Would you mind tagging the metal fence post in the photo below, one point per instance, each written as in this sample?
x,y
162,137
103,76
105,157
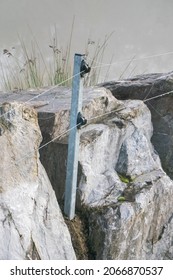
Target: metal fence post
x,y
73,141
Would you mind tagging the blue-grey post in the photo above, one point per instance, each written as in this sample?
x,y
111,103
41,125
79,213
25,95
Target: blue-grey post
x,y
73,140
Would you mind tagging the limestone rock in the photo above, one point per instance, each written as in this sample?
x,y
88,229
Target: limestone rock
x,y
122,190
97,105
136,230
31,223
144,87
53,107
108,149
118,161
99,183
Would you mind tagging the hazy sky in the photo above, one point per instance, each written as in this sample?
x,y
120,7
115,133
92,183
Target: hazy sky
x,y
141,28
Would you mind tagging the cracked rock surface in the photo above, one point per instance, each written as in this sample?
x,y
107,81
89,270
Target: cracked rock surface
x,y
123,189
158,87
31,223
123,194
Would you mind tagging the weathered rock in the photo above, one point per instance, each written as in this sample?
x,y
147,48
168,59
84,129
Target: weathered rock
x,y
141,87
31,223
139,225
122,189
134,229
100,184
107,149
117,160
148,86
97,104
53,107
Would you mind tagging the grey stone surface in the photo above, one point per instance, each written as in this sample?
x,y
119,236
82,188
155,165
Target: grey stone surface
x,y
147,86
98,105
122,191
139,225
53,107
31,223
139,229
107,149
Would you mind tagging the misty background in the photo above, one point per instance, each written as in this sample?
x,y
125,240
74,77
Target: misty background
x,y
141,30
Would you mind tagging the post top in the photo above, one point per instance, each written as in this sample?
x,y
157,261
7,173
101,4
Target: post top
x,y
78,54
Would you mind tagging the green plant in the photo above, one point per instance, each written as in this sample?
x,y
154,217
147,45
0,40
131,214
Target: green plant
x,y
23,70
121,199
61,66
26,67
124,179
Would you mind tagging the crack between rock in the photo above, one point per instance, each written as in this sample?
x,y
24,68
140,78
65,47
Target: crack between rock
x,y
8,218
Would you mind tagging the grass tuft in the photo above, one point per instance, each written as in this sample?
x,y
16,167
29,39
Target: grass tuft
x,y
26,67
